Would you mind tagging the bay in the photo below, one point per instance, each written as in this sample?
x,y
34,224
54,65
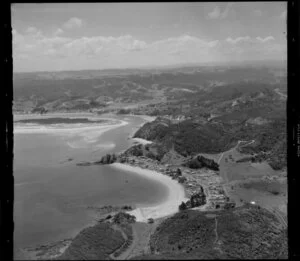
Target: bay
x,y
52,193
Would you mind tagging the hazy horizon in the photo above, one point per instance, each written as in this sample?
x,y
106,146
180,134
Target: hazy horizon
x,y
174,66
99,36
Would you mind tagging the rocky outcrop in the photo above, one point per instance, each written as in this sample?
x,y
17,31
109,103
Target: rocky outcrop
x,y
123,218
202,162
107,159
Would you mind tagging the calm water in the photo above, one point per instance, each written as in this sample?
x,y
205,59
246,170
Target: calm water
x,y
52,193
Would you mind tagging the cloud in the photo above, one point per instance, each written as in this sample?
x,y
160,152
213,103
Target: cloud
x,y
31,30
52,41
73,22
266,39
248,39
98,45
17,37
248,48
283,15
136,45
217,14
238,39
257,12
129,51
58,31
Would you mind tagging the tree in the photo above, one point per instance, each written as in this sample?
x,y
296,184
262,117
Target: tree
x,y
182,206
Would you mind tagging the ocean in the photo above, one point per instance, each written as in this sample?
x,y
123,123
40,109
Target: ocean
x,y
52,193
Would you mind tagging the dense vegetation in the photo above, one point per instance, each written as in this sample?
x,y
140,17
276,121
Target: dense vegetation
x,y
270,143
152,151
187,137
122,218
196,200
190,137
96,242
247,232
202,162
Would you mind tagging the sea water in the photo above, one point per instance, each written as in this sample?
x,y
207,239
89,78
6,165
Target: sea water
x,y
52,194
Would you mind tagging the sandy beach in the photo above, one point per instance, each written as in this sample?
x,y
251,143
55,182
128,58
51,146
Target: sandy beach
x,y
66,128
142,141
21,116
85,134
168,205
147,117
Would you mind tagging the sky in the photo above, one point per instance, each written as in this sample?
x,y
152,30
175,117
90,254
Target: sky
x,y
83,36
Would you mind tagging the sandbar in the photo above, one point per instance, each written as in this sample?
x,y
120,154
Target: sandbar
x,y
68,128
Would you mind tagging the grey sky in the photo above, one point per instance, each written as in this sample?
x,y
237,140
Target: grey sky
x,y
119,35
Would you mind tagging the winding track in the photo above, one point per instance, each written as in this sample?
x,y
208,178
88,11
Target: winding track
x,y
219,160
125,242
250,142
216,230
281,218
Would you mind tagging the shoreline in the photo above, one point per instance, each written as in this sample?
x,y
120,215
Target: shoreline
x,y
66,128
168,206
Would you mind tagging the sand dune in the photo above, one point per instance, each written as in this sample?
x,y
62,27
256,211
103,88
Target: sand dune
x,y
168,205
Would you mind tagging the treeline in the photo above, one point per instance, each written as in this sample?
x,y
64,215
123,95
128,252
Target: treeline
x,y
202,162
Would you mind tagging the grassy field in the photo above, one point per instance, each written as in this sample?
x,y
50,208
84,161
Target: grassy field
x,y
269,194
232,170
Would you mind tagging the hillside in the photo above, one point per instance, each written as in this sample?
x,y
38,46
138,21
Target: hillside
x,y
189,138
96,242
246,232
199,109
97,90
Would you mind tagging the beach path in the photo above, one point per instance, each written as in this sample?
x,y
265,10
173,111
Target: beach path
x,y
141,238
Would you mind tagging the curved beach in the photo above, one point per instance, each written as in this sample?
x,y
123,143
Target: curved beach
x,y
168,206
66,128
